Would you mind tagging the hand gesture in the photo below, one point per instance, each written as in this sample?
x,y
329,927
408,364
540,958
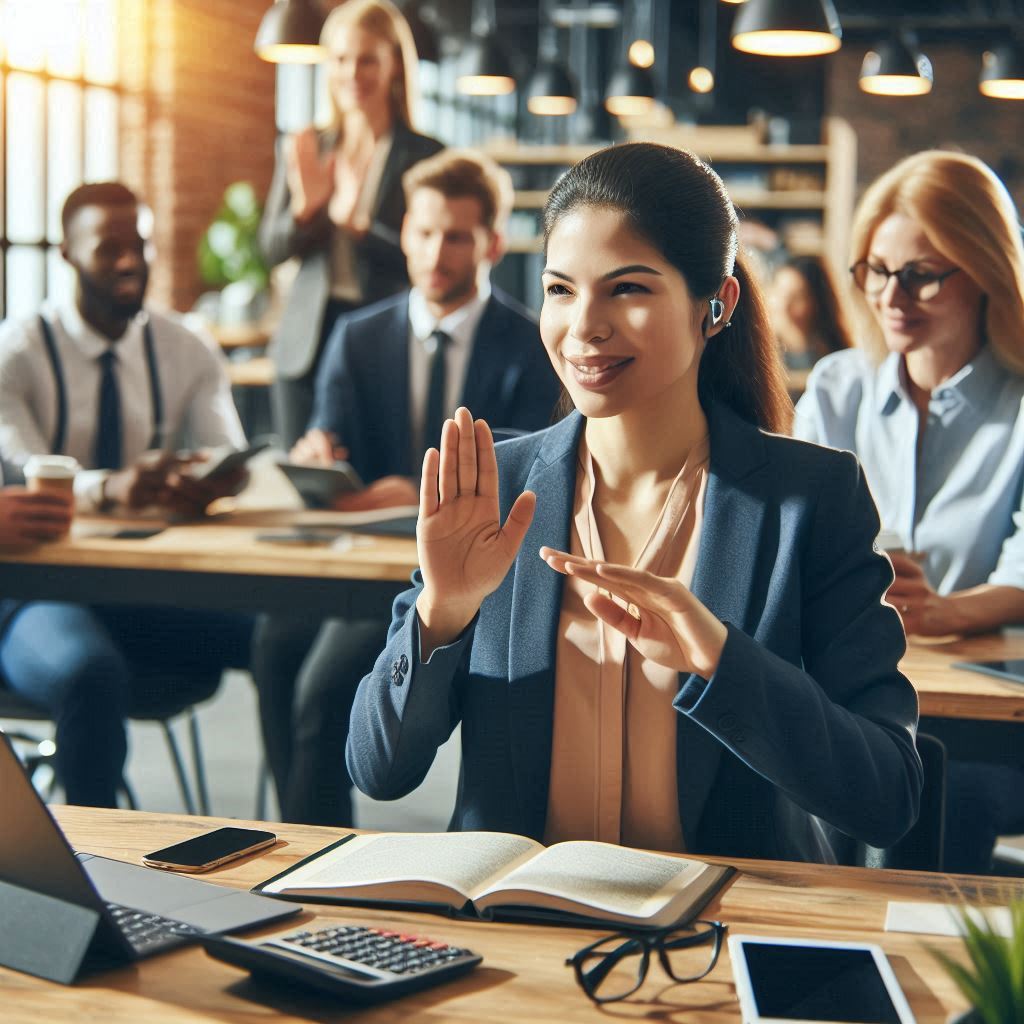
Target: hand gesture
x,y
924,612
143,483
318,448
310,176
387,492
464,551
27,517
662,619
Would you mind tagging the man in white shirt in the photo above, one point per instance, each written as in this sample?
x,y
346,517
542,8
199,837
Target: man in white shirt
x,y
120,389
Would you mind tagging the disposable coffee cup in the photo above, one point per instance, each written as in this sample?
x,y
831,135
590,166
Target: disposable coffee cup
x,y
55,473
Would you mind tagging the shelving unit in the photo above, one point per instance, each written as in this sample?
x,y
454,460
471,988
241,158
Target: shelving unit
x,y
804,192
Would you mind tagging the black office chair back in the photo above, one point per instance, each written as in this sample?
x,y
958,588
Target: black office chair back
x,y
921,848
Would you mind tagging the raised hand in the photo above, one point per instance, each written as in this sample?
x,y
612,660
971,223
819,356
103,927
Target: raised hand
x,y
310,176
464,550
318,448
662,620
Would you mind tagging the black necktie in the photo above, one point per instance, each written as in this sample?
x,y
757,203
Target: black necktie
x,y
107,454
435,416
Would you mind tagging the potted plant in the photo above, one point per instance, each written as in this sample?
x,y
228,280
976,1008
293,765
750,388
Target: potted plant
x,y
230,259
993,981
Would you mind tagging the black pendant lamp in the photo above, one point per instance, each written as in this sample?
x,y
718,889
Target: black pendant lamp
x,y
290,33
896,68
485,68
787,28
631,91
1002,72
551,90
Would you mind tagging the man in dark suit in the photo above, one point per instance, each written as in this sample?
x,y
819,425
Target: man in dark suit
x,y
390,376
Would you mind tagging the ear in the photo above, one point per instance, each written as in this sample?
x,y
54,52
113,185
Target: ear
x,y
729,295
495,248
403,237
65,255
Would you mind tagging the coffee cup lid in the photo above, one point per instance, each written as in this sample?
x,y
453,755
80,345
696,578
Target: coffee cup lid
x,y
53,466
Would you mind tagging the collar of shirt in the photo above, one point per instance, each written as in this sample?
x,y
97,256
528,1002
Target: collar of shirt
x,y
87,338
460,325
971,385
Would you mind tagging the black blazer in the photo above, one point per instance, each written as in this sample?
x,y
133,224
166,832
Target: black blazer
x,y
362,388
800,745
379,260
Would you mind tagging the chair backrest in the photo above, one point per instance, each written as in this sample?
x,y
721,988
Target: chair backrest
x,y
921,848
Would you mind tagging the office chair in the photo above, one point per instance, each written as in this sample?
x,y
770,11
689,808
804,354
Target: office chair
x,y
921,848
156,698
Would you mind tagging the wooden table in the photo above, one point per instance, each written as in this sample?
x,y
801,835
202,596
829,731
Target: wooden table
x,y
218,562
523,977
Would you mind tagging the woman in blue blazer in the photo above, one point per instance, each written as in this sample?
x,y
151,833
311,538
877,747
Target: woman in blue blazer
x,y
792,728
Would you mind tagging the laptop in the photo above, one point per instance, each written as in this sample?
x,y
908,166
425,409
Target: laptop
x,y
131,911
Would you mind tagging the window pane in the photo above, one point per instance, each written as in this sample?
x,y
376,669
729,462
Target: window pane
x,y
60,278
64,149
294,97
100,135
24,31
62,35
101,41
25,199
24,281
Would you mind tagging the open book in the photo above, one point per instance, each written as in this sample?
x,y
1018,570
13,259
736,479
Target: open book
x,y
494,874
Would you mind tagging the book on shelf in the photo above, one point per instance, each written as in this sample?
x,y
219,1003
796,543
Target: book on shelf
x,y
501,876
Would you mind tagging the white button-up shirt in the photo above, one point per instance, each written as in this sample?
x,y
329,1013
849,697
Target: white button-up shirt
x,y
198,409
958,501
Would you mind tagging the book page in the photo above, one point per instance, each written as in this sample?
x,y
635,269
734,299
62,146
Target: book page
x,y
463,862
943,918
615,880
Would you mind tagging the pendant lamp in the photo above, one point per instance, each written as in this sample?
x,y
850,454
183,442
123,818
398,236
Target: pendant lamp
x,y
485,67
290,33
631,91
551,90
896,68
1002,72
787,28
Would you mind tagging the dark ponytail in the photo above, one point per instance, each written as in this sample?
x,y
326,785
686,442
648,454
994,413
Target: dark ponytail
x,y
677,203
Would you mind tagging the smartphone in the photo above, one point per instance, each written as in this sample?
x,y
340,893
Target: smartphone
x,y
225,461
210,850
785,981
319,486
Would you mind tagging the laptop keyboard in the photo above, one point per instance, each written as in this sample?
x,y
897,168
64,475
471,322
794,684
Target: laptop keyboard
x,y
149,932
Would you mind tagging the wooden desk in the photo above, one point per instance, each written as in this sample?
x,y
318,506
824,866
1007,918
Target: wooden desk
x,y
523,977
214,563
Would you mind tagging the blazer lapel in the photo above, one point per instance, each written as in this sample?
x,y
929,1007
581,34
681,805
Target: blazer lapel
x,y
536,602
394,166
725,580
488,362
393,356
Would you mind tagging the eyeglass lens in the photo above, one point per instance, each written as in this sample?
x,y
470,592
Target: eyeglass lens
x,y
616,967
918,284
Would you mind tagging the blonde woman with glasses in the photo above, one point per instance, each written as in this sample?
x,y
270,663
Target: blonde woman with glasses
x,y
931,404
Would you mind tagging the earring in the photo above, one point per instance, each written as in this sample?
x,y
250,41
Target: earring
x,y
717,309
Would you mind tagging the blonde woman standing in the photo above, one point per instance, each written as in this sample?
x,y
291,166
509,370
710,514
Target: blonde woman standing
x,y
336,201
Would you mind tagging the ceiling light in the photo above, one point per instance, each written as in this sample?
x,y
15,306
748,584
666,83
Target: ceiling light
x,y
701,79
630,92
1002,72
896,68
551,91
641,53
290,33
787,28
485,68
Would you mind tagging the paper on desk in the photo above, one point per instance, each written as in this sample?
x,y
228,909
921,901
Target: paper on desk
x,y
941,918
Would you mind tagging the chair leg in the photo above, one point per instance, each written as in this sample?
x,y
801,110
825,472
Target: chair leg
x,y
262,784
129,795
179,768
198,766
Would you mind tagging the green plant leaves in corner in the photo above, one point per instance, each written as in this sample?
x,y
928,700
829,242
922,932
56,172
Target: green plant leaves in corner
x,y
994,981
229,249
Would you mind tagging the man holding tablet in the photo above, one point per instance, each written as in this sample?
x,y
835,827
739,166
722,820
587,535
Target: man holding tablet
x,y
390,376
120,389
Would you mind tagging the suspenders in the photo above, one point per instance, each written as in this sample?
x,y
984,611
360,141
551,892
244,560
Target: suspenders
x,y
59,441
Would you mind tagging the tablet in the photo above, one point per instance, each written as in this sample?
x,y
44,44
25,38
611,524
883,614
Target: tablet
x,y
319,486
224,461
782,981
1012,669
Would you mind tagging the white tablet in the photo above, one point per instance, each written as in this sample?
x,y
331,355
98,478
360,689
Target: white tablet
x,y
783,981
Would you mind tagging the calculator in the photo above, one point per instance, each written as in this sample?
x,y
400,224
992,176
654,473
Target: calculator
x,y
359,965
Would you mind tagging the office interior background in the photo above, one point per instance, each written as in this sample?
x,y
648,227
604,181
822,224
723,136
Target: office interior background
x,y
171,97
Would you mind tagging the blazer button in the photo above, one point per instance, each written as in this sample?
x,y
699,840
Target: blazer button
x,y
727,721
403,664
739,737
396,677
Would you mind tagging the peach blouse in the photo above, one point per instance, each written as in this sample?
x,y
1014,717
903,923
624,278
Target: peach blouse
x,y
613,759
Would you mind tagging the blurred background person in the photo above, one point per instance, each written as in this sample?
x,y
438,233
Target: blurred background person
x,y
336,200
806,313
931,404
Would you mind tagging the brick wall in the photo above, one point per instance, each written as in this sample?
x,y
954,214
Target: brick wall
x,y
199,115
954,115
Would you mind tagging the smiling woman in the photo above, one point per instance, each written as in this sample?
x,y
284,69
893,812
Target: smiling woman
x,y
658,623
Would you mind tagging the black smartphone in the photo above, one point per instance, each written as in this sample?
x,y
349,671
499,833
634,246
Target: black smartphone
x,y
224,462
210,850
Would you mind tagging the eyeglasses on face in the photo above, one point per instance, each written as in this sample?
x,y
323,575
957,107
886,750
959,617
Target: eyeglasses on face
x,y
615,967
920,285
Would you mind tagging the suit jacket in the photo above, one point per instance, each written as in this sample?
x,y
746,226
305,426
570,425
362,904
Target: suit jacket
x,y
802,742
379,259
362,392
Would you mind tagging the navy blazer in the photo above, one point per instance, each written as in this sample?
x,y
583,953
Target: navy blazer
x,y
800,745
362,388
